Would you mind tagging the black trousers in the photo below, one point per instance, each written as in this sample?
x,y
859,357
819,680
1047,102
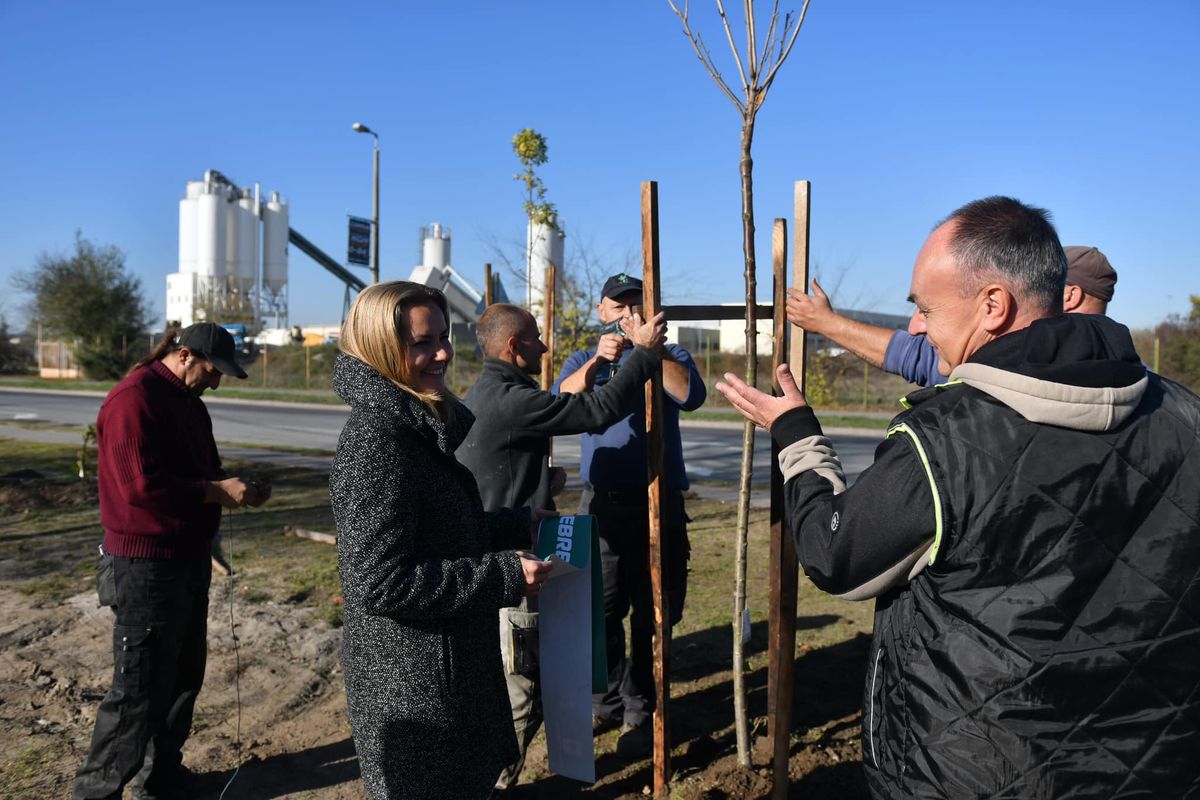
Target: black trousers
x,y
160,646
625,561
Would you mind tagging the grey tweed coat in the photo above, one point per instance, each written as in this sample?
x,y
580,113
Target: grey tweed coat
x,y
422,585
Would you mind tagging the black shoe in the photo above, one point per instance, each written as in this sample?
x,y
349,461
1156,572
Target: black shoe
x,y
636,741
177,784
602,724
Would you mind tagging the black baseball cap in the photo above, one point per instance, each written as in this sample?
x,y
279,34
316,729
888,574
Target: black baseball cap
x,y
212,342
621,284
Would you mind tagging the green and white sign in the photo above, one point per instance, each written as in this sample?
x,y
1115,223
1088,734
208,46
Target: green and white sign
x,y
571,641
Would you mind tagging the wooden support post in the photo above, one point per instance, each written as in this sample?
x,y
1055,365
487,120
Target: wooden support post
x,y
488,297
782,568
651,303
798,354
549,298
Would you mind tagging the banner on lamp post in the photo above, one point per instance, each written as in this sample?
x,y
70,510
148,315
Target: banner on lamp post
x,y
359,249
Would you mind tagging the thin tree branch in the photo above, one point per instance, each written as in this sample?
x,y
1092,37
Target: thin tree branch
x,y
706,57
769,42
737,58
751,41
785,51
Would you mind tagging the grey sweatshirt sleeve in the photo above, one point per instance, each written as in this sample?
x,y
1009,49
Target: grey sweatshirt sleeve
x,y
566,414
381,558
855,543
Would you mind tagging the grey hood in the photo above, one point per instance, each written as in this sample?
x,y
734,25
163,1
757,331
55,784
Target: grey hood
x,y
1077,371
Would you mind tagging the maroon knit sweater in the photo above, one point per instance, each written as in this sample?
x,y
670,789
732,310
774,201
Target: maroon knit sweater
x,y
155,452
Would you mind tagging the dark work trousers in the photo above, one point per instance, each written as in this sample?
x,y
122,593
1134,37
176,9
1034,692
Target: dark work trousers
x,y
159,651
625,558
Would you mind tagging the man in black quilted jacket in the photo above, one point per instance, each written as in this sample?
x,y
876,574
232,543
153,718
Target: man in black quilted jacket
x,y
1030,533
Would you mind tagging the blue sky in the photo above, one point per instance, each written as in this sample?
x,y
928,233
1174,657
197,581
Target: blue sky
x,y
897,113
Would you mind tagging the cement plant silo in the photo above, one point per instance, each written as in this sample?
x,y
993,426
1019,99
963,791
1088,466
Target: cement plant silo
x,y
210,236
435,246
545,247
242,244
275,242
189,217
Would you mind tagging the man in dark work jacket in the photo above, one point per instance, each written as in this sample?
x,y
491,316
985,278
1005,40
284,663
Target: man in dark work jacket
x,y
1030,531
507,451
161,492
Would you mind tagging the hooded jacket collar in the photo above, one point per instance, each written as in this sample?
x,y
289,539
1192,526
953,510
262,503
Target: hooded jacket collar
x,y
1077,371
364,389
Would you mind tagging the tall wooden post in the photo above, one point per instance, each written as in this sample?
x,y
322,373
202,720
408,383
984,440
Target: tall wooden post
x,y
549,299
651,303
798,355
783,570
488,297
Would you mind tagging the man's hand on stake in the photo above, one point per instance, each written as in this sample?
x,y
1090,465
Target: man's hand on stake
x,y
651,333
810,311
759,407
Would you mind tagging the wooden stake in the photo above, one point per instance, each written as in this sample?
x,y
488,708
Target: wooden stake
x,y
316,536
651,302
488,298
549,299
783,567
798,354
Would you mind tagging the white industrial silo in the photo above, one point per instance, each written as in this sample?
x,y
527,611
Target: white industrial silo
x,y
275,242
435,246
243,245
189,216
210,236
546,246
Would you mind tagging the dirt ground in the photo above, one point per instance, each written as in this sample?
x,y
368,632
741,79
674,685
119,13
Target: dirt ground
x,y
55,664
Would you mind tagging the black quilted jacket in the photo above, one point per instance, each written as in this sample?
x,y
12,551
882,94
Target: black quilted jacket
x,y
422,586
1047,642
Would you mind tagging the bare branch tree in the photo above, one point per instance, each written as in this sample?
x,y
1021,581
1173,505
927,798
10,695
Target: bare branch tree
x,y
757,73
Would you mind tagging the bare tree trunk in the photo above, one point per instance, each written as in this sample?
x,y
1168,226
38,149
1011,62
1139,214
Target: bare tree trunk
x,y
741,723
757,72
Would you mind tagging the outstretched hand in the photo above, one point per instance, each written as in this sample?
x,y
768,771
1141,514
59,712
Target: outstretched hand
x,y
813,312
759,407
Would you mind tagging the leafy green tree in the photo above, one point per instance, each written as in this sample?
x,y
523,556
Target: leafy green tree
x,y
530,147
89,298
1179,340
13,358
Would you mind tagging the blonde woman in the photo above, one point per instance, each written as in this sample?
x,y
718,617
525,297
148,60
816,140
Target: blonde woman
x,y
424,570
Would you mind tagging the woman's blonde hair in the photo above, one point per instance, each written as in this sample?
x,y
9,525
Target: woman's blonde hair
x,y
374,333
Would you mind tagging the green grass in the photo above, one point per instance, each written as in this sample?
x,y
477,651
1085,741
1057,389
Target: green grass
x,y
52,587
55,461
23,773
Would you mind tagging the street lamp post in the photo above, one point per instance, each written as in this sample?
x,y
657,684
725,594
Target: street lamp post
x,y
359,127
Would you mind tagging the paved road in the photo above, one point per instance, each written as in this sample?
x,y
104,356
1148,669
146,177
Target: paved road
x,y
712,451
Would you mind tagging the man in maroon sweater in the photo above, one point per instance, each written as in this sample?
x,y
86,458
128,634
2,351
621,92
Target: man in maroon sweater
x,y
161,492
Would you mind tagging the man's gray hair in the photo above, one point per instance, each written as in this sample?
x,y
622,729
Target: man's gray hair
x,y
1000,238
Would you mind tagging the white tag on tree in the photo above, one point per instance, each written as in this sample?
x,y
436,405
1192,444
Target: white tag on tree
x,y
745,625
